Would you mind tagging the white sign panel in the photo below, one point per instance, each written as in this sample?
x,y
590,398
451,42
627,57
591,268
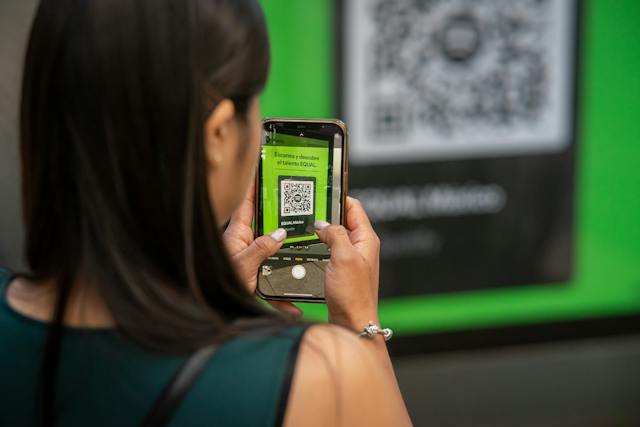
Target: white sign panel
x,y
455,79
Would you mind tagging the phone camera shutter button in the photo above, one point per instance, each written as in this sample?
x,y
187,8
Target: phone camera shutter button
x,y
298,272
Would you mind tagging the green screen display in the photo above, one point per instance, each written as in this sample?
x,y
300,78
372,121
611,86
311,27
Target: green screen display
x,y
607,202
295,185
296,189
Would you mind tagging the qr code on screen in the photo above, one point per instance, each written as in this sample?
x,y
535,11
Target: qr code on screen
x,y
296,197
458,78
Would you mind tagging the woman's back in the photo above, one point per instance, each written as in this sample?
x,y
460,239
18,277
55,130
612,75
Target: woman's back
x,y
104,380
139,132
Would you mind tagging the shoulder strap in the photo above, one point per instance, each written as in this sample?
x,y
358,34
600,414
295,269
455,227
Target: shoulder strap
x,y
170,399
288,376
5,277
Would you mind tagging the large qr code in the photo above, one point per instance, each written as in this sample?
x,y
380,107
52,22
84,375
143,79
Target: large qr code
x,y
432,79
296,197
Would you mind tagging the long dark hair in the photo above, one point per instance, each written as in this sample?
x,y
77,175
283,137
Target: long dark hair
x,y
114,99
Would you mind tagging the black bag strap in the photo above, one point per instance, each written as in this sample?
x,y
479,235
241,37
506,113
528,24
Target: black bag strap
x,y
180,384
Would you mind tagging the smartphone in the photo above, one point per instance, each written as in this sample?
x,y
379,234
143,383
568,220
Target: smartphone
x,y
302,178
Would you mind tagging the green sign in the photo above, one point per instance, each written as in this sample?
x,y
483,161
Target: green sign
x,y
295,187
606,278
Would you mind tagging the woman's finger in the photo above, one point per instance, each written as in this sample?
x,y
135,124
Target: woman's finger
x,y
286,307
263,247
362,235
335,236
244,214
357,220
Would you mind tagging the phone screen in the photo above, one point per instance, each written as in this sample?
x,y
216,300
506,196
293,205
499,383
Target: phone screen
x,y
299,182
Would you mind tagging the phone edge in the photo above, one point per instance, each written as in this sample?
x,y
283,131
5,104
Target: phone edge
x,y
343,195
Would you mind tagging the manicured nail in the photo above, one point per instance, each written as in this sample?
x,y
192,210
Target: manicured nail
x,y
279,235
319,225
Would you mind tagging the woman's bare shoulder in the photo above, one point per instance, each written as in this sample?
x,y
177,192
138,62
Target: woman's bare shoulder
x,y
336,381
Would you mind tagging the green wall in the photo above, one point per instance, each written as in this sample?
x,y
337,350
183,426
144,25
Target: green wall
x,y
607,278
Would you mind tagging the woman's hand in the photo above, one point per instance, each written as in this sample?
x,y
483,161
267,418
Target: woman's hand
x,y
351,281
248,253
362,367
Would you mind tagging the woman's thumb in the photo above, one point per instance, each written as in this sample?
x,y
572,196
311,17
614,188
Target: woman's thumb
x,y
335,236
265,246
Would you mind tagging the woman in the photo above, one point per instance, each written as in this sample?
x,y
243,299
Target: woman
x,y
140,130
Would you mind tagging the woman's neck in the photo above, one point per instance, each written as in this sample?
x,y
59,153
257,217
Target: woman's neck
x,y
85,306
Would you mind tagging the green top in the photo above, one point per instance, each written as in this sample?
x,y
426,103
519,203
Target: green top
x,y
104,380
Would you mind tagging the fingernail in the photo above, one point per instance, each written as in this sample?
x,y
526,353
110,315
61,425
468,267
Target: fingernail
x,y
319,225
279,235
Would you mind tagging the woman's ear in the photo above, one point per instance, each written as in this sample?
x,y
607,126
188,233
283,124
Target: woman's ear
x,y
221,134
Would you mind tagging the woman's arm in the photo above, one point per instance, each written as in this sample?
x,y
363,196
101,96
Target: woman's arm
x,y
343,380
340,375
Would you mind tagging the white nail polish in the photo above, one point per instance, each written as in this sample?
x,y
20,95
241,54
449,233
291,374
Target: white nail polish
x,y
319,225
279,235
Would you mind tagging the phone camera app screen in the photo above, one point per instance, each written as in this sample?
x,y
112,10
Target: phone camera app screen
x,y
298,186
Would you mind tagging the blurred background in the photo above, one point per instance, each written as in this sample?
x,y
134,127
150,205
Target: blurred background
x,y
495,144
